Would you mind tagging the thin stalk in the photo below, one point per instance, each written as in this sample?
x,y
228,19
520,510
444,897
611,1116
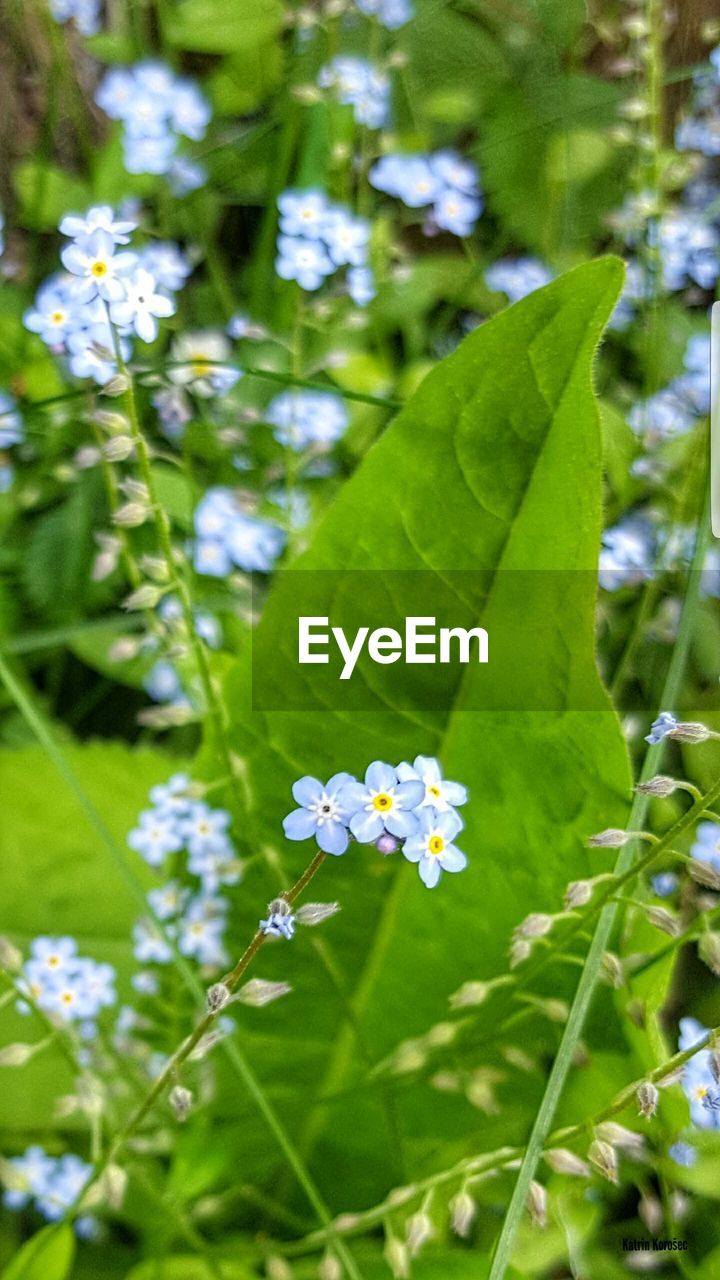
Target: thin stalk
x,y
623,871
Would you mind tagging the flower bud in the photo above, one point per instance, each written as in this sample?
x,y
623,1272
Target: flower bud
x,y
181,1101
519,951
535,925
397,1257
313,913
619,1136
131,515
647,1099
651,1214
124,649
463,1210
563,1161
16,1055
117,386
709,951
702,873
218,996
154,567
470,995
87,457
660,786
612,971
387,844
276,1268
603,1157
10,958
537,1204
118,448
662,919
419,1231
613,838
577,894
114,1184
257,992
330,1268
146,597
690,732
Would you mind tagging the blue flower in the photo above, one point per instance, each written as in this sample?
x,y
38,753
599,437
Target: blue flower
x,y
11,426
683,1154
322,813
664,884
432,847
360,85
439,793
156,836
302,418
661,727
698,1081
706,847
361,285
384,803
626,555
390,13
278,925
303,260
518,277
303,213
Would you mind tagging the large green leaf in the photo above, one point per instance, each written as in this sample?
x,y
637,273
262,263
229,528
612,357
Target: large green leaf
x,y
57,879
46,1256
493,466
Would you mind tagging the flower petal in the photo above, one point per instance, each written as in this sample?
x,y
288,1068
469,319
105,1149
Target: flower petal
x,y
380,777
410,794
400,822
332,838
337,781
300,824
449,824
307,790
414,849
454,793
452,859
352,797
429,869
427,768
366,827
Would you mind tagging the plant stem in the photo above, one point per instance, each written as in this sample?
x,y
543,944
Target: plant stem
x,y
624,871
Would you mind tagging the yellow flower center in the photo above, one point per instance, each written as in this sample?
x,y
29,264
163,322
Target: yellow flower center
x,y
99,269
67,997
435,791
57,317
701,1092
436,845
199,367
382,802
53,962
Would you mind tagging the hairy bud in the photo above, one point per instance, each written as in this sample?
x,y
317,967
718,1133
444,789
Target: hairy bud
x,y
257,992
470,995
118,448
181,1101
114,1185
647,1099
131,515
313,913
664,920
16,1055
604,1159
577,894
612,838
612,971
709,951
419,1231
537,1204
10,958
519,951
651,1214
702,873
563,1161
146,597
619,1136
330,1268
397,1257
117,386
660,786
218,996
387,844
535,925
690,732
463,1210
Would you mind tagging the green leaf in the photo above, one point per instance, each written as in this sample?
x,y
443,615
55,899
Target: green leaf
x,y
46,193
493,466
56,879
188,1267
223,26
46,1256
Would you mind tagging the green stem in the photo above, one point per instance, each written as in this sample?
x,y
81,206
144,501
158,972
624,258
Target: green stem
x,y
623,871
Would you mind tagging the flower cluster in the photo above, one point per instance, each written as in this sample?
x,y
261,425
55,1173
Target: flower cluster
x,y
157,109
108,292
517,277
389,13
443,182
225,536
65,985
84,13
194,913
700,129
410,806
360,85
317,237
51,1184
699,1079
304,418
11,433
